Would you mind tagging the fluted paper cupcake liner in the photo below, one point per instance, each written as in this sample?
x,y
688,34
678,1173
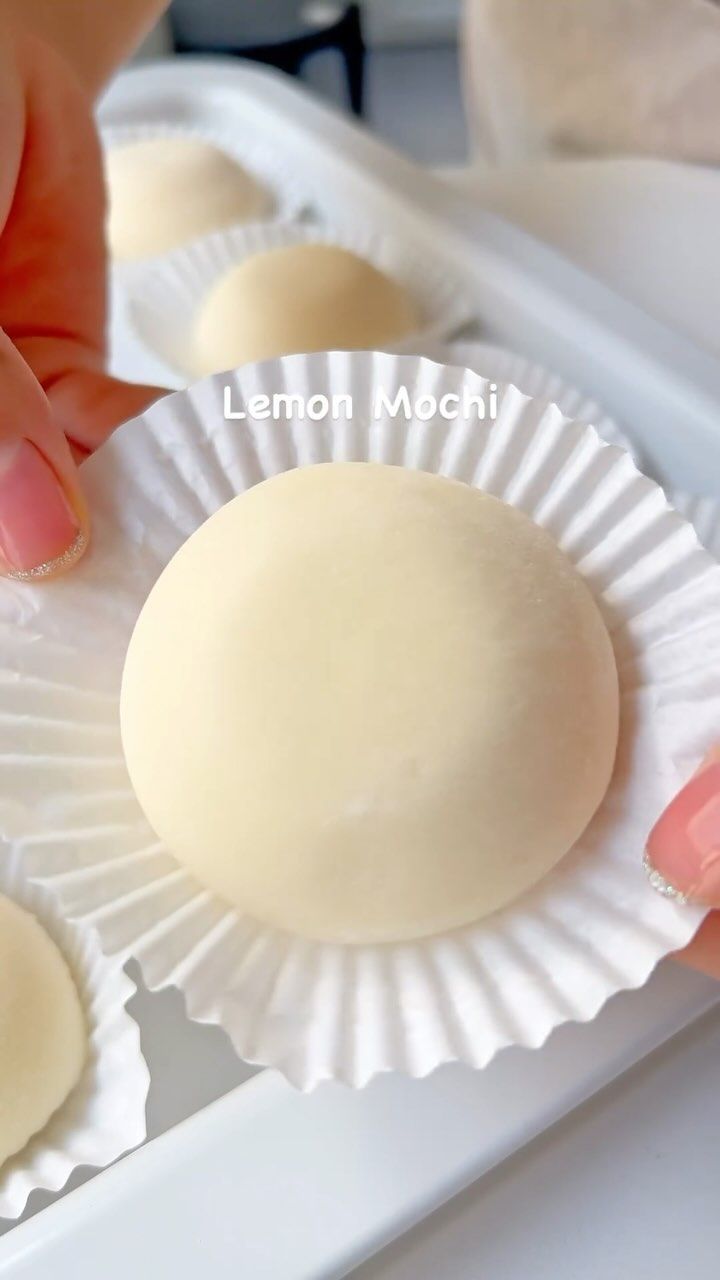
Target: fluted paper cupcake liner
x,y
104,1116
164,301
704,515
499,364
316,1011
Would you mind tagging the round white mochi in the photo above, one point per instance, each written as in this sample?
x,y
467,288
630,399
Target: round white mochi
x,y
43,1039
364,703
164,192
302,297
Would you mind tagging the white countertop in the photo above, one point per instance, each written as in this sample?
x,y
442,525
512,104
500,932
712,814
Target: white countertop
x,y
625,1186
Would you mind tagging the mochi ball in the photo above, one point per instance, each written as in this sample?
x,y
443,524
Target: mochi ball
x,y
43,1037
299,298
166,191
365,704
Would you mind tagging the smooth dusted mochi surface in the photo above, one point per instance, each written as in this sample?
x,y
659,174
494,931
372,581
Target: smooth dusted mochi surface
x,y
43,1038
165,192
367,704
299,298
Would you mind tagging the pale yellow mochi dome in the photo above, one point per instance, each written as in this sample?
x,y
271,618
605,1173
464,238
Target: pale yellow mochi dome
x,y
302,297
164,192
364,703
43,1039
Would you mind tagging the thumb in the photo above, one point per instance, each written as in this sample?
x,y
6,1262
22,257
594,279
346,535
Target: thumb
x,y
43,519
683,850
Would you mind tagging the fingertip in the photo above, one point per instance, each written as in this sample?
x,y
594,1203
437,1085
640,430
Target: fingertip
x,y
682,855
43,518
88,405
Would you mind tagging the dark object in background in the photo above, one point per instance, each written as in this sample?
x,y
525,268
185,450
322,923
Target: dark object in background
x,y
279,35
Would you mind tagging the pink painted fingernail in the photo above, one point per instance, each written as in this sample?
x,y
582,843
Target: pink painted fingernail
x,y
39,531
682,856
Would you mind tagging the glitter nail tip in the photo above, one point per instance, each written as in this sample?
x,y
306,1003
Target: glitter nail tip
x,y
660,884
56,565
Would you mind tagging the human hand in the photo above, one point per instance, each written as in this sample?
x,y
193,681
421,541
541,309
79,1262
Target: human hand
x,y
683,858
57,404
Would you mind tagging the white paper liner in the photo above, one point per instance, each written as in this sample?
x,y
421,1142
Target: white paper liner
x,y
104,1116
163,302
264,158
315,1011
704,515
499,364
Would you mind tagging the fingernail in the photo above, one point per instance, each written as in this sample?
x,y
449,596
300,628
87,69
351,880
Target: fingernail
x,y
682,857
39,531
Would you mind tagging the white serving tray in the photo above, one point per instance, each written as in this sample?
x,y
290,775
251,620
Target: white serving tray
x,y
266,1182
529,297
271,1184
